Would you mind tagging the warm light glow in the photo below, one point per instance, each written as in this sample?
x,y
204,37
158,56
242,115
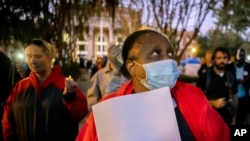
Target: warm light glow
x,y
65,37
193,50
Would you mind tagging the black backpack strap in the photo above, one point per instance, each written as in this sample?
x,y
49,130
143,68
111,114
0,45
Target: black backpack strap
x,y
230,79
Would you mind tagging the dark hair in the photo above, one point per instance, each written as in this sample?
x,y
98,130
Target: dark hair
x,y
128,44
220,49
241,50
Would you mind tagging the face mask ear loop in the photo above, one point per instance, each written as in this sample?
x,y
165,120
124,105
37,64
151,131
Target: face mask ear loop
x,y
137,63
141,66
138,77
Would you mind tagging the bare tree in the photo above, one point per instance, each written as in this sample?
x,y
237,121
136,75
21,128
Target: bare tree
x,y
50,20
177,19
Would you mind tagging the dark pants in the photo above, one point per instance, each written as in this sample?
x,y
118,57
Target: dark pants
x,y
226,113
243,110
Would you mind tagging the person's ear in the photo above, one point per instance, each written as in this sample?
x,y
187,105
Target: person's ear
x,y
130,65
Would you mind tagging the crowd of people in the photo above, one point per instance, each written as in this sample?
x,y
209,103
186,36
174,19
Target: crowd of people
x,y
226,84
43,104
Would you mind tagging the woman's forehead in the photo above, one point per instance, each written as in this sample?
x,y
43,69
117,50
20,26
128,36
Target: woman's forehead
x,y
153,36
33,47
150,40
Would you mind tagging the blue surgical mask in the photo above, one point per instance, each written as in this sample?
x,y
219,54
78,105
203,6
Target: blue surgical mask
x,y
160,74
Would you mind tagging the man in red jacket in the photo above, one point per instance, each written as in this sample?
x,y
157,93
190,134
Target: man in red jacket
x,y
148,62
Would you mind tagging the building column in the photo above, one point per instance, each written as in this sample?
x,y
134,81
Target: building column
x,y
91,43
111,34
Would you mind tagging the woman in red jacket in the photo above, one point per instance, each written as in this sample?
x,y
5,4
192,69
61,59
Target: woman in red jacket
x,y
146,53
45,105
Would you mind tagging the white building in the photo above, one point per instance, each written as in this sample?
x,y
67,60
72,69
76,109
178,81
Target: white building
x,y
102,32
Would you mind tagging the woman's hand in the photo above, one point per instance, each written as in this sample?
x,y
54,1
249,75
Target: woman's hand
x,y
70,85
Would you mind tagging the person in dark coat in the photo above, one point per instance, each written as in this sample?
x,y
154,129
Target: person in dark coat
x,y
241,69
10,73
5,81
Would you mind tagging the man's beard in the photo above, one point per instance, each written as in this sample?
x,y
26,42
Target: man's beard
x,y
221,66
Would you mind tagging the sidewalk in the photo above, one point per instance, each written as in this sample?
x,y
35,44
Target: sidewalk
x,y
83,85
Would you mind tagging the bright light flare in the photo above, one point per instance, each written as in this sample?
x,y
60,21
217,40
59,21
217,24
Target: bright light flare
x,y
20,56
193,50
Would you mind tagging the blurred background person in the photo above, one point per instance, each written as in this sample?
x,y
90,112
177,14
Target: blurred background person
x,y
10,73
107,79
5,81
206,62
20,64
241,69
45,105
232,59
115,58
89,67
100,63
218,83
98,84
83,68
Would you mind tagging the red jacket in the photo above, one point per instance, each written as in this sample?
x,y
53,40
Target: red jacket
x,y
203,121
39,111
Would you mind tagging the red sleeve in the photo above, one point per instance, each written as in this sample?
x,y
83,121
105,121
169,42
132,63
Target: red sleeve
x,y
215,127
88,130
205,123
77,107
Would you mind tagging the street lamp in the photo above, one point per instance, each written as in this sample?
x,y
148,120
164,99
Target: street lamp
x,y
193,50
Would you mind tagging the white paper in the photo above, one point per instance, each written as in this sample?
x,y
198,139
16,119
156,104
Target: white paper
x,y
147,116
